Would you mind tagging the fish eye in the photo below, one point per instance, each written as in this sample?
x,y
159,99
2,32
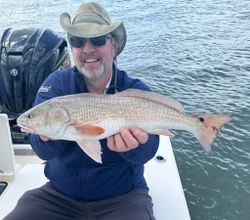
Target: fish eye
x,y
29,116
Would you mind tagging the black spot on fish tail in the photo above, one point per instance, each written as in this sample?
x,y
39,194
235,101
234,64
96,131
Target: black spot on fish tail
x,y
202,120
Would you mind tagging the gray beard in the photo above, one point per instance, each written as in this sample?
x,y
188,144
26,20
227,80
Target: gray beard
x,y
96,73
92,74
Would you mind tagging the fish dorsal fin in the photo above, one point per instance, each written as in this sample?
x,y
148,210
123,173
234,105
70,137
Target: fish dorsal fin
x,y
152,96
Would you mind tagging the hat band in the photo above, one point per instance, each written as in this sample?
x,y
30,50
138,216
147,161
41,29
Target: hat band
x,y
90,18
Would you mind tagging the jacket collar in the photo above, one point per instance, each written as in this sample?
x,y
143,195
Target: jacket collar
x,y
113,86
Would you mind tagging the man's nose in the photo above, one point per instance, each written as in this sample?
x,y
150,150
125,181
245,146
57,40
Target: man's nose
x,y
88,46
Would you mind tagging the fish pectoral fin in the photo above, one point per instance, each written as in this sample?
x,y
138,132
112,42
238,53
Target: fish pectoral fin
x,y
164,132
93,149
89,129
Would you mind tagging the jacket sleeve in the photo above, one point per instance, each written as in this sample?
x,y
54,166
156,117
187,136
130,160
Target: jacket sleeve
x,y
146,151
47,149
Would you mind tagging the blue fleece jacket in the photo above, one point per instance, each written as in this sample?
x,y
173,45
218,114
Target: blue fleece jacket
x,y
69,169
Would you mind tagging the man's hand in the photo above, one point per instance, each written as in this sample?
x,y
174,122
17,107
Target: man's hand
x,y
127,139
44,138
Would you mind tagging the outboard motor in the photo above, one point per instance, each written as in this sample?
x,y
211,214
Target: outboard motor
x,y
28,56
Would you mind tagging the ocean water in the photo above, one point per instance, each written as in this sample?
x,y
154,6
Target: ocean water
x,y
197,51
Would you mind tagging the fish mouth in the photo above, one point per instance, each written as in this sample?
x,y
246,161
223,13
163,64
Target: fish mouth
x,y
26,128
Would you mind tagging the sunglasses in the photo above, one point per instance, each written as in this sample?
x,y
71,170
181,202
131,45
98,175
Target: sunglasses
x,y
79,42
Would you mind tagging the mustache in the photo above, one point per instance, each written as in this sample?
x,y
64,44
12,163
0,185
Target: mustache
x,y
90,56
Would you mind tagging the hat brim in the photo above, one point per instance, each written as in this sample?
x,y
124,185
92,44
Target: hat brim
x,y
89,30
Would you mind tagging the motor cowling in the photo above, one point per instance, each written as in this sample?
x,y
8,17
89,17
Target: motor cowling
x,y
28,56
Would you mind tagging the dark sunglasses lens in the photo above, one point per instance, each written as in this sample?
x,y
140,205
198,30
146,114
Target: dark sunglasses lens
x,y
98,41
77,42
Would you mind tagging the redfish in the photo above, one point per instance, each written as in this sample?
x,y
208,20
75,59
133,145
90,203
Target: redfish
x,y
86,118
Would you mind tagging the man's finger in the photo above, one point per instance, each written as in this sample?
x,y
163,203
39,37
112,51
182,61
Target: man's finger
x,y
129,139
44,138
120,144
111,143
140,135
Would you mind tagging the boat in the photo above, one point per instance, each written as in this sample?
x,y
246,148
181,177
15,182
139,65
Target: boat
x,y
25,172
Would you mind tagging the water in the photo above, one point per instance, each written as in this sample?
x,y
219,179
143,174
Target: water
x,y
199,53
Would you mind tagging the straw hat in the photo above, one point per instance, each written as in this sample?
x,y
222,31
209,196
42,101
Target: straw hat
x,y
92,20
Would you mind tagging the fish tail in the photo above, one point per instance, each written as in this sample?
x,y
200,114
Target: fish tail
x,y
208,130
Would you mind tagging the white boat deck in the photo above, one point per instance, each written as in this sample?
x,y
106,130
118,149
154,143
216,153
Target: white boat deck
x,y
26,172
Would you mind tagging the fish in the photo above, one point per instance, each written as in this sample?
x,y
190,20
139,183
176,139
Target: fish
x,y
87,118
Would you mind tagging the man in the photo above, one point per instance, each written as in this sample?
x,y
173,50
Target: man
x,y
78,187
